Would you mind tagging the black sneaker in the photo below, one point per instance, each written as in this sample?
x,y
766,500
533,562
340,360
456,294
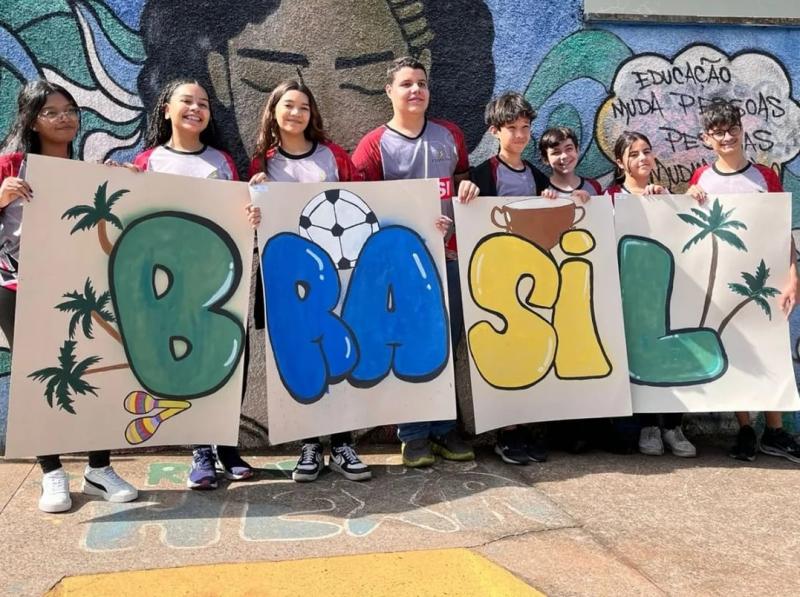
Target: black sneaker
x,y
745,446
536,448
230,463
510,446
309,464
777,442
344,460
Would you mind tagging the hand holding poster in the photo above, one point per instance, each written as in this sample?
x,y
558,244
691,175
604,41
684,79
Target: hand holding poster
x,y
356,311
132,310
542,310
699,290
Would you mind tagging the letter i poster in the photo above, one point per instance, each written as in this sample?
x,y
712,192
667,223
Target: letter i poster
x,y
355,293
542,310
131,311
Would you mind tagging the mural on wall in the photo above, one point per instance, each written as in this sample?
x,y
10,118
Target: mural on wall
x,y
115,57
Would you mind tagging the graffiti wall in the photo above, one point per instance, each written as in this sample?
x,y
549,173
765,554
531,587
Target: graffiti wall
x,y
598,78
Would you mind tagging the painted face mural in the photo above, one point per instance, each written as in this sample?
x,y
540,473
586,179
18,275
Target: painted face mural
x,y
342,54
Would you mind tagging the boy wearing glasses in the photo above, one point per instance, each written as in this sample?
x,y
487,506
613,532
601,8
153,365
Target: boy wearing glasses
x,y
732,172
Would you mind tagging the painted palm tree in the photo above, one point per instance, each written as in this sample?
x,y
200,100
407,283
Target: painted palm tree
x,y
67,378
87,308
717,224
754,291
97,214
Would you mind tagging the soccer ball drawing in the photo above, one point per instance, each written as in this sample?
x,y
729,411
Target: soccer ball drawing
x,y
339,222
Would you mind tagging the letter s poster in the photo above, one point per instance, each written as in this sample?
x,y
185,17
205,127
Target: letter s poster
x,y
542,310
355,292
132,310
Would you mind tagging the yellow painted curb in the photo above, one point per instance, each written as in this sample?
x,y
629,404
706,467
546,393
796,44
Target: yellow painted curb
x,y
442,572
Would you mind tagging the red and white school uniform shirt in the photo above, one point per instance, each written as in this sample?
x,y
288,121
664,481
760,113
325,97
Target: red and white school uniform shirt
x,y
753,178
439,151
206,163
590,185
10,223
324,162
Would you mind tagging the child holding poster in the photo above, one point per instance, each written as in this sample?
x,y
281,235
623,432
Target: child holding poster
x,y
558,147
412,146
633,154
47,123
182,139
292,147
509,119
732,172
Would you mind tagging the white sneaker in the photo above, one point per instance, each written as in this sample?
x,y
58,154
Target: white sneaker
x,y
650,441
678,444
55,492
106,483
344,460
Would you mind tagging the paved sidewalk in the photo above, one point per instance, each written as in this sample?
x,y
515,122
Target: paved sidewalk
x,y
595,524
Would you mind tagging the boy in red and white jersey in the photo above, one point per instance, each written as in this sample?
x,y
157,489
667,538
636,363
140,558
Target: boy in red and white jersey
x,y
413,146
732,172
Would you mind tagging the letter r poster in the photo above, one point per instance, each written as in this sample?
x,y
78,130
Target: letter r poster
x,y
355,292
132,310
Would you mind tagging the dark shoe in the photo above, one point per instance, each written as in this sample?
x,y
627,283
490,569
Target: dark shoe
x,y
418,452
451,447
344,460
510,446
202,475
309,464
230,463
777,442
746,444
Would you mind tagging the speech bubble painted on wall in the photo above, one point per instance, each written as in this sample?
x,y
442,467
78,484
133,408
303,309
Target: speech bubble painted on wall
x,y
663,98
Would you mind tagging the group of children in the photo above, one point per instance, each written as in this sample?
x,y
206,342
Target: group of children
x,y
292,146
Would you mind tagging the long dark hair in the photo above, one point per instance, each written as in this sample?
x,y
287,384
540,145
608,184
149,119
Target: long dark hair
x,y
159,129
624,141
269,135
32,98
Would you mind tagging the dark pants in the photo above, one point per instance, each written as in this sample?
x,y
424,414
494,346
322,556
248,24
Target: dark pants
x,y
668,420
337,439
407,432
8,307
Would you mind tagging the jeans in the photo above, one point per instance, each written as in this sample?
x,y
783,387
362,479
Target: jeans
x,y
407,432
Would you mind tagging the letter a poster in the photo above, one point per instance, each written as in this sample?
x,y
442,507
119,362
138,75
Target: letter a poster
x,y
355,292
700,288
132,310
542,310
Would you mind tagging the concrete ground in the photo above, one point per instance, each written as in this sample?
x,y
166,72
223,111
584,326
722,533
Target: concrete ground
x,y
595,524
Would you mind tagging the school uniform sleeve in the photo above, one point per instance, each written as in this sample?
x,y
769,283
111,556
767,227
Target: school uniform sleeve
x,y
697,174
344,165
484,176
233,172
254,168
367,156
462,166
773,182
142,161
598,190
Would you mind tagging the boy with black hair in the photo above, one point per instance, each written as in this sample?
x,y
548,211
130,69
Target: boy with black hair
x,y
558,147
413,146
506,174
732,172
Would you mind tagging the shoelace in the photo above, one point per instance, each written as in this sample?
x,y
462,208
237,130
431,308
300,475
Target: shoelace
x,y
349,454
111,476
58,484
307,454
203,458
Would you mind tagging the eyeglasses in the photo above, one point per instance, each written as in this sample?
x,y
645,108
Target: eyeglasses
x,y
719,135
53,115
